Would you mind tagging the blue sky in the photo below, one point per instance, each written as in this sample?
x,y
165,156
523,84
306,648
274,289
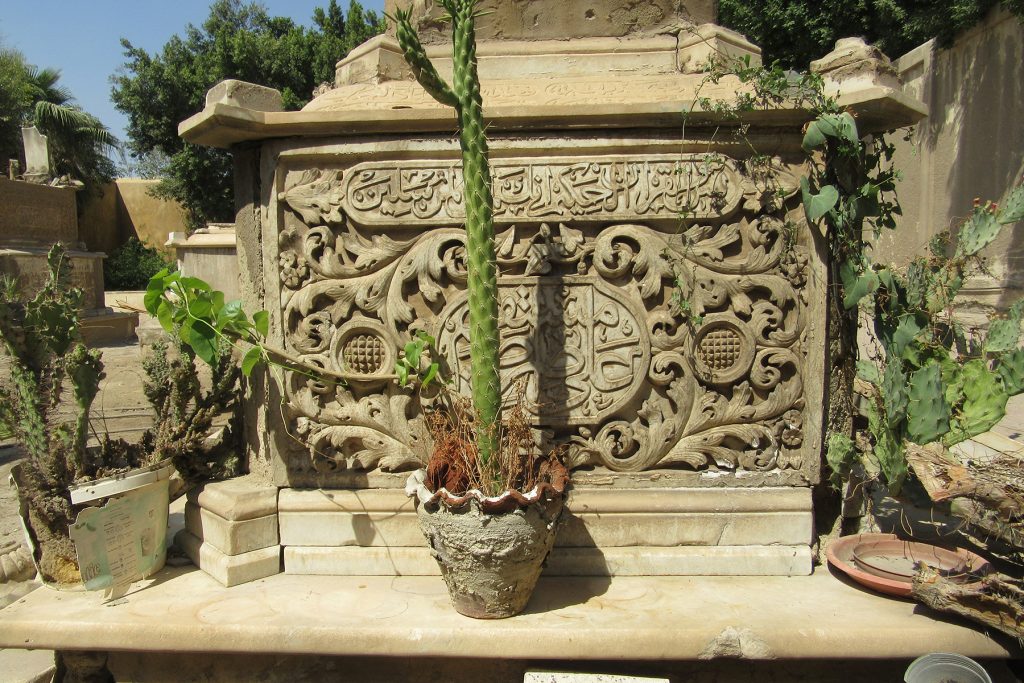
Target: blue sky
x,y
82,38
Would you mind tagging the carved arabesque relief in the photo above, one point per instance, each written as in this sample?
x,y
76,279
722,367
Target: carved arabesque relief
x,y
637,346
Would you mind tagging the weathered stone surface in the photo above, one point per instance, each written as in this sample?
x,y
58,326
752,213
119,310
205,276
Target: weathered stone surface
x,y
590,265
636,618
236,499
210,254
230,570
603,530
245,95
563,20
853,63
231,538
710,43
631,561
37,155
346,528
28,266
37,215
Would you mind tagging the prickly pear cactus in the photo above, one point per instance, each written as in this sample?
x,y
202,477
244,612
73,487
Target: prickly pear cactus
x,y
464,96
927,410
978,232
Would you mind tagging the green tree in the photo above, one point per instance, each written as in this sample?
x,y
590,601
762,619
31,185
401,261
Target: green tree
x,y
237,40
79,143
794,32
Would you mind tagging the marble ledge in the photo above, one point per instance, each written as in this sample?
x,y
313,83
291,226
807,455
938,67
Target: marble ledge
x,y
224,125
658,618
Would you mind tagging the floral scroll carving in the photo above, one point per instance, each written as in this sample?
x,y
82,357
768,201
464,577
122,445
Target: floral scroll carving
x,y
638,346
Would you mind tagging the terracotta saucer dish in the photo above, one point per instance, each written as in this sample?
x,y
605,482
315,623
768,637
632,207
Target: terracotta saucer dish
x,y
885,562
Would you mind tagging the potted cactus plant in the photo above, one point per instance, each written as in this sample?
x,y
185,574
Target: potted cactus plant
x,y
62,480
488,508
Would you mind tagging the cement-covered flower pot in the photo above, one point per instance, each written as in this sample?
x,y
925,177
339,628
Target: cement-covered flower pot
x,y
491,550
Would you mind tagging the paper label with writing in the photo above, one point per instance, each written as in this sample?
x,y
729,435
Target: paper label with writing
x,y
122,541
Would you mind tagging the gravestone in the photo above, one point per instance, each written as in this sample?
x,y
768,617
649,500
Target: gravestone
x,y
37,155
32,218
662,297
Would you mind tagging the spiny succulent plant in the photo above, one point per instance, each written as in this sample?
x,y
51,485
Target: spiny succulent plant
x,y
464,96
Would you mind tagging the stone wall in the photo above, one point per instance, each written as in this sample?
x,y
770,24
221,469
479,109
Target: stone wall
x,y
36,214
971,145
127,209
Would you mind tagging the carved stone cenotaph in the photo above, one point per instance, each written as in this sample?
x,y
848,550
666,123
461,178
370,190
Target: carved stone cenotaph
x,y
662,297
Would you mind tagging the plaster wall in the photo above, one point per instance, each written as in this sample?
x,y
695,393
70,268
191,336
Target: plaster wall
x,y
971,145
127,209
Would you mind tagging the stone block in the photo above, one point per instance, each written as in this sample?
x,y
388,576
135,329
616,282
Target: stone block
x,y
107,326
605,518
231,538
230,570
633,561
236,499
37,214
375,61
28,266
779,560
698,47
359,561
245,95
615,530
350,528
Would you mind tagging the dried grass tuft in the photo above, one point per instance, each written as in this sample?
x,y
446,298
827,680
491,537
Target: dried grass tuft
x,y
455,464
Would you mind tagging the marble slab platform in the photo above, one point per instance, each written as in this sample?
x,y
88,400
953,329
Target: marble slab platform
x,y
643,618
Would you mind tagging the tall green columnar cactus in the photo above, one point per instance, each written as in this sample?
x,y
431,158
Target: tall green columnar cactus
x,y
482,278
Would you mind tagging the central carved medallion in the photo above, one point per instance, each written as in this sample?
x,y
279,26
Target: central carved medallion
x,y
575,345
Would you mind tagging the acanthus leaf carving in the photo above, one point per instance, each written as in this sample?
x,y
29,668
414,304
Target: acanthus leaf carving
x,y
610,365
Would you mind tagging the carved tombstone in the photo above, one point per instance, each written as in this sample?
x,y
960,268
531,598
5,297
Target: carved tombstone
x,y
661,296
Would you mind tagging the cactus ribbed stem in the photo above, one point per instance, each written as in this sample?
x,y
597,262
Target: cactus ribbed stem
x,y
482,281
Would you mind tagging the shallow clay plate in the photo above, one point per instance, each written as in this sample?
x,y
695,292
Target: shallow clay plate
x,y
885,563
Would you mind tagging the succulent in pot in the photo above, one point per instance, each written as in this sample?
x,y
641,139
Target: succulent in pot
x,y
46,397
488,507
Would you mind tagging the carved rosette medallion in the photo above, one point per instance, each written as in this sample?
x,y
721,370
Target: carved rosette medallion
x,y
652,308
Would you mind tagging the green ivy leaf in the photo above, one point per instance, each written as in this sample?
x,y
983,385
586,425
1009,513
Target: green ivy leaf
x,y
261,321
251,359
430,375
195,284
817,205
203,340
814,137
165,314
402,370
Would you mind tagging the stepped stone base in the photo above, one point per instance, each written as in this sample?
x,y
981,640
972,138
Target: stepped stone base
x,y
230,570
617,532
231,530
